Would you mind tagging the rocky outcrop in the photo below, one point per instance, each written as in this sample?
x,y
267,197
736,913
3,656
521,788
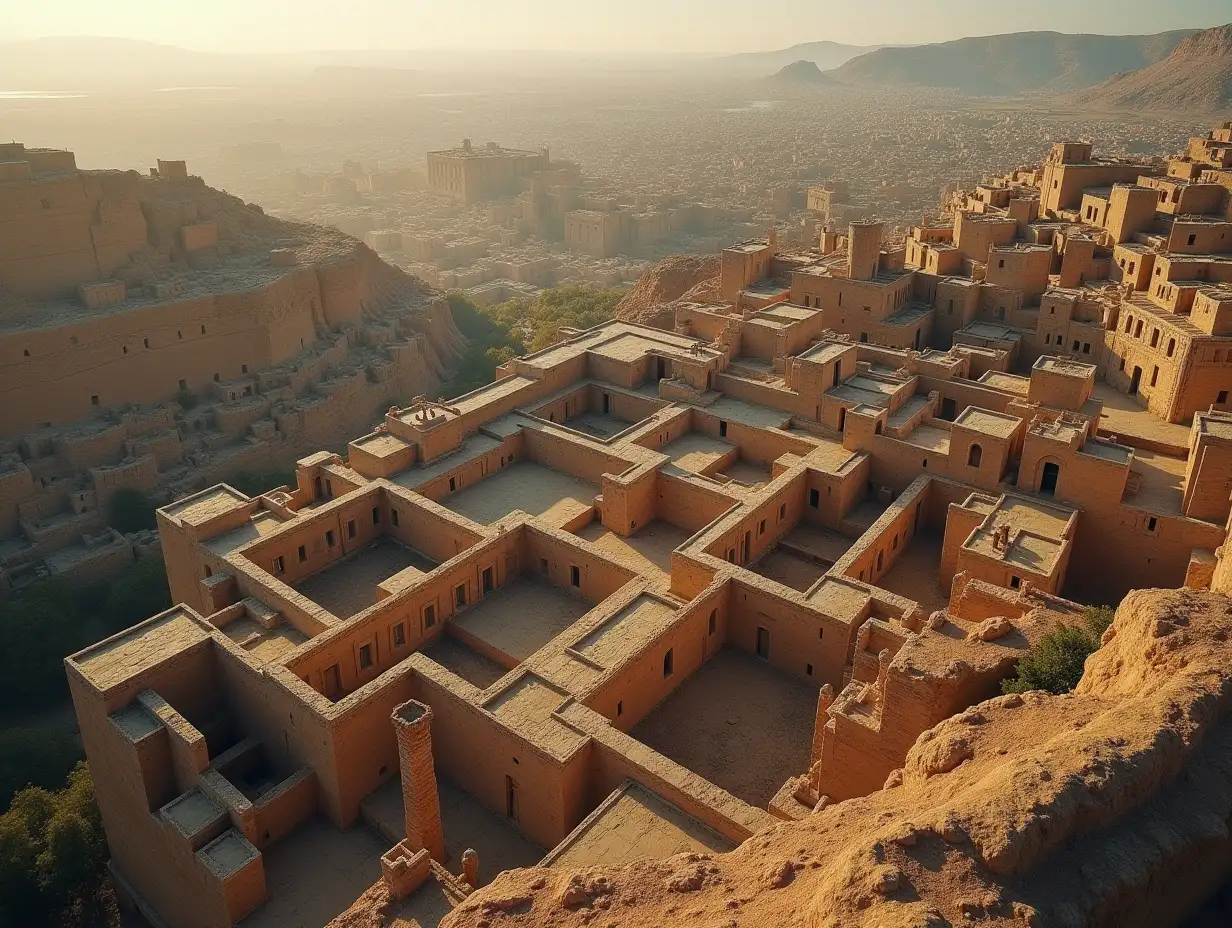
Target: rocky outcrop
x,y
674,279
1196,77
1108,806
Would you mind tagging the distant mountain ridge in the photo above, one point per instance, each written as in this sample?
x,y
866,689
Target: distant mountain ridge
x,y
801,74
826,55
1196,77
1019,62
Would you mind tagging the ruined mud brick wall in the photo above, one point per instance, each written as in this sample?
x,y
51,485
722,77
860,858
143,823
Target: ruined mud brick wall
x,y
68,227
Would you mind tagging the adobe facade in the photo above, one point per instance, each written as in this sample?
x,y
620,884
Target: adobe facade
x,y
158,334
648,592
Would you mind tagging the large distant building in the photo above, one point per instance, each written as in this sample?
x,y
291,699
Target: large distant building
x,y
473,174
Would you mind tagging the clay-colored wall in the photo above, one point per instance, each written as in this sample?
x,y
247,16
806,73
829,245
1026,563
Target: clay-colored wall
x,y
142,355
799,636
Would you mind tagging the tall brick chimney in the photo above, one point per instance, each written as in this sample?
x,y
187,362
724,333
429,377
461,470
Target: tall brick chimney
x,y
420,803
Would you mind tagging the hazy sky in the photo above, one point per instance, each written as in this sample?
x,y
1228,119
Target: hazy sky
x,y
593,25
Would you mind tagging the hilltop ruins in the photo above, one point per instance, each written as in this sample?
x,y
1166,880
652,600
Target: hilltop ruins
x,y
709,624
158,334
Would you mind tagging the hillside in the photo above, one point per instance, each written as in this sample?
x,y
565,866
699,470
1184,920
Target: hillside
x,y
826,55
1020,62
801,74
1106,806
1196,77
677,277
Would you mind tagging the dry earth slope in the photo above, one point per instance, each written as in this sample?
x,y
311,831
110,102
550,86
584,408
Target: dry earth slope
x,y
1196,77
1105,807
675,278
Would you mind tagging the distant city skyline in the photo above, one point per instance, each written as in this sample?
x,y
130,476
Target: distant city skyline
x,y
634,26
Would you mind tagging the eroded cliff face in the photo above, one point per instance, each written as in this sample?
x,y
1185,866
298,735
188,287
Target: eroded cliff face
x,y
1105,807
675,279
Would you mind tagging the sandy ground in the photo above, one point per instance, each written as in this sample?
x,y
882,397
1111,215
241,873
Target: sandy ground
x,y
648,551
520,618
1125,415
739,722
316,872
467,663
789,569
747,472
467,824
349,586
528,486
598,424
914,574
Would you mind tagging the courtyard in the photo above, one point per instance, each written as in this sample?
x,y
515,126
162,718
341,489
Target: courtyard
x,y
517,619
541,491
349,585
467,824
741,723
915,573
648,550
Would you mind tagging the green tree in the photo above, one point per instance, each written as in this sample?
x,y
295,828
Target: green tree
x,y
138,593
34,757
130,510
38,629
54,617
254,483
1055,663
53,858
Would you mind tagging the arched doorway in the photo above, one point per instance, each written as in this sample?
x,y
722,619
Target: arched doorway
x,y
1048,478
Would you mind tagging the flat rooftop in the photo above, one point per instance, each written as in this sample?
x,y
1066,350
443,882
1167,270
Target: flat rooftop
x,y
988,422
129,654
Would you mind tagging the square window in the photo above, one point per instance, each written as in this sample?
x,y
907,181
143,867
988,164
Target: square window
x,y
453,484
782,510
1015,583
365,656
329,539
94,400
303,553
399,635
668,667
814,499
393,517
761,527
279,565
376,515
351,528
459,595
808,669
575,576
429,615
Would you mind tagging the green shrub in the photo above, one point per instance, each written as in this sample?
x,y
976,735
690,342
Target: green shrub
x,y
34,757
254,483
130,510
55,617
1056,662
53,858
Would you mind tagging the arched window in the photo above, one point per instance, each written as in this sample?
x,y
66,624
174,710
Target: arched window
x,y
974,456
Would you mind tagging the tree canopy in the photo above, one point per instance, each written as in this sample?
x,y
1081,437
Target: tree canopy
x,y
53,858
1056,662
506,330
